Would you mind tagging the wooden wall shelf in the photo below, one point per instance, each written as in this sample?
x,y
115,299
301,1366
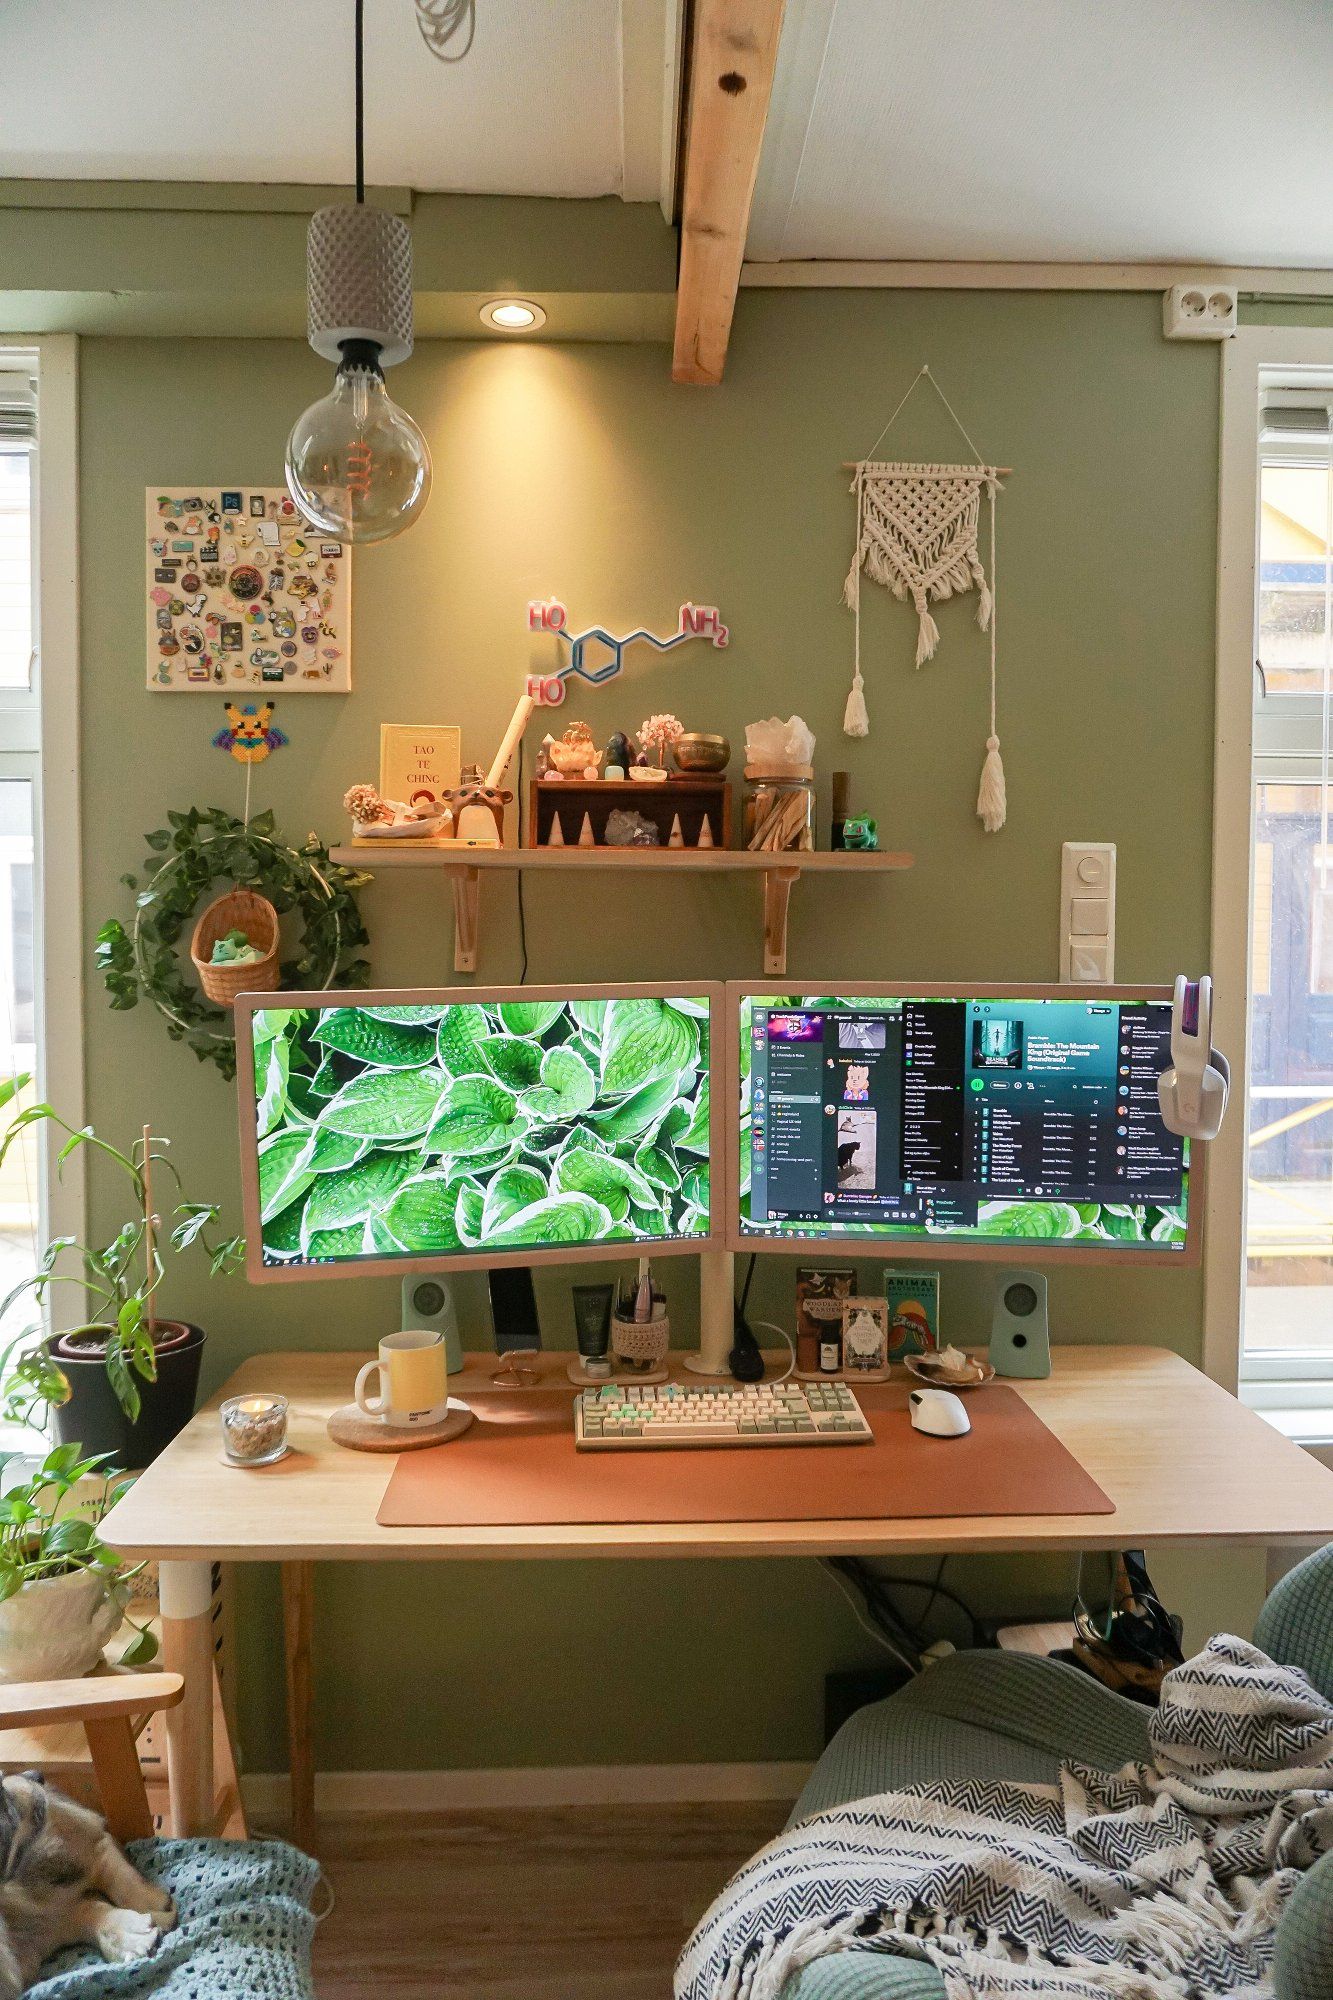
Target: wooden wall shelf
x,y
465,866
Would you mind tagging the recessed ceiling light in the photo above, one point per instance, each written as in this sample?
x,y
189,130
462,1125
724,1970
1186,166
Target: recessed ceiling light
x,y
513,315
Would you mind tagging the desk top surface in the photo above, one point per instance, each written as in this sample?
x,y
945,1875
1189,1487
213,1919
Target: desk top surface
x,y
1182,1460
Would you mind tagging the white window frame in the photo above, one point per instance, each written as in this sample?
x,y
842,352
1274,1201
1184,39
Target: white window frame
x,y
41,742
1288,1385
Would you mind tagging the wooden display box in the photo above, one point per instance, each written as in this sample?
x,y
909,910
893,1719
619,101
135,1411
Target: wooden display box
x,y
693,798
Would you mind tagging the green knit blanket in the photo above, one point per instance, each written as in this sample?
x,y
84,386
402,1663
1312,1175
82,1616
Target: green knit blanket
x,y
244,1933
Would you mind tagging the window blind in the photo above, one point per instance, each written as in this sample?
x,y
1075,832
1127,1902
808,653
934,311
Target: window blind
x,y
15,564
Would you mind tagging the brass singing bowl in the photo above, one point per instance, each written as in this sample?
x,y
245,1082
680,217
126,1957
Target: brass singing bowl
x,y
701,755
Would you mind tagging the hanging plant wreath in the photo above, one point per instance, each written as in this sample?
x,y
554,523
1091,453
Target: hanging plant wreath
x,y
187,856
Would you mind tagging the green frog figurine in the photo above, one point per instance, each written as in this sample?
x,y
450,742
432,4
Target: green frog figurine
x,y
860,834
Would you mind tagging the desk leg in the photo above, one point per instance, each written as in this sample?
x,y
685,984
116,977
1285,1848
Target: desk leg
x,y
187,1649
298,1622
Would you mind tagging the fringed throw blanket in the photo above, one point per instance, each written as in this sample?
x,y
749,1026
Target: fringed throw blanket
x,y
1163,1881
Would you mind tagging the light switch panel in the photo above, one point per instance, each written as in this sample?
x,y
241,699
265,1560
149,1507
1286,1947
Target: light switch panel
x,y
1090,916
1087,912
1089,961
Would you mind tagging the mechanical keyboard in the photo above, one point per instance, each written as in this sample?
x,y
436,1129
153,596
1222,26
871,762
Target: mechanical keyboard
x,y
636,1418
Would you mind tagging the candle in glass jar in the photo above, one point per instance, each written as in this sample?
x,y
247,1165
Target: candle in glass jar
x,y
254,1429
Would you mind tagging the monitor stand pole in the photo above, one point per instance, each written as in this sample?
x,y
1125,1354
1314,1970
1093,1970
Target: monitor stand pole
x,y
717,1292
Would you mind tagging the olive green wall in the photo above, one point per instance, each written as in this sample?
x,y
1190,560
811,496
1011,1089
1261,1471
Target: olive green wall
x,y
581,470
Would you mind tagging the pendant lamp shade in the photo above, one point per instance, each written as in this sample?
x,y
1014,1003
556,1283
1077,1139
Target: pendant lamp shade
x,y
359,281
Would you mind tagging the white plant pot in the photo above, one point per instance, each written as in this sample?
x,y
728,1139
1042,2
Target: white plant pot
x,y
56,1628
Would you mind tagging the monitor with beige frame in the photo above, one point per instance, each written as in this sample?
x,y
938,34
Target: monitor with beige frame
x,y
426,1130
990,1121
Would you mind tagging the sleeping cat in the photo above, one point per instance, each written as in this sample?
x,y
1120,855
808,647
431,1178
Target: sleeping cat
x,y
64,1881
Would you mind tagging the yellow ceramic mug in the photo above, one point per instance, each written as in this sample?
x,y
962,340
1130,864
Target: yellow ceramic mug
x,y
413,1379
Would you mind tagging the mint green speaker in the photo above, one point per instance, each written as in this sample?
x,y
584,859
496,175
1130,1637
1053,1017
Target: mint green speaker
x,y
429,1302
1020,1339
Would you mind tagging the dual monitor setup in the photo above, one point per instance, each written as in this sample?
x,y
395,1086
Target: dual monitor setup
x,y
423,1131
431,1130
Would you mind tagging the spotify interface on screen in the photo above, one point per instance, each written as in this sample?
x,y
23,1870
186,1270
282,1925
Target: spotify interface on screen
x,y
918,1111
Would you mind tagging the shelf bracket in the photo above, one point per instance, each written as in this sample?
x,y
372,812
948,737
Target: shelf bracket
x,y
467,887
777,895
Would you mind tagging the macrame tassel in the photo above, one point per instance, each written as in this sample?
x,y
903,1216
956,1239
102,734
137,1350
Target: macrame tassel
x,y
983,603
851,589
927,637
855,721
990,796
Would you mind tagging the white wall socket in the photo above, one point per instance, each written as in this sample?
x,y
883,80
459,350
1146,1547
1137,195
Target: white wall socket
x,y
1087,913
1199,312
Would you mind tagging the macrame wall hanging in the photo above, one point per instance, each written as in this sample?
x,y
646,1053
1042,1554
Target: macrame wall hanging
x,y
918,532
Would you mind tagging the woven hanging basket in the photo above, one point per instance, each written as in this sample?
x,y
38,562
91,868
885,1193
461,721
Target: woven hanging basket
x,y
238,910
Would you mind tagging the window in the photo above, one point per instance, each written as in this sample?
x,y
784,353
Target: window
x,y
21,1172
40,920
16,547
1288,1301
1268,1249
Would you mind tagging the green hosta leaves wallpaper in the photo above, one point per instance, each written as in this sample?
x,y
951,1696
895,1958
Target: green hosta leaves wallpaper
x,y
411,1131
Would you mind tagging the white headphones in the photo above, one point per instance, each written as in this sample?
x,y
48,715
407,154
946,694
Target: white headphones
x,y
1193,1092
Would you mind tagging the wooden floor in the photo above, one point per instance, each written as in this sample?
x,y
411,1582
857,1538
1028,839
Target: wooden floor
x,y
572,1903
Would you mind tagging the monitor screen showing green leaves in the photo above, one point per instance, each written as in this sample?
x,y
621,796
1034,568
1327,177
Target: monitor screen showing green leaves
x,y
477,1128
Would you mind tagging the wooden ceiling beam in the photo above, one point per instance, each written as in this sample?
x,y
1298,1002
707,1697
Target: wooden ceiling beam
x,y
732,57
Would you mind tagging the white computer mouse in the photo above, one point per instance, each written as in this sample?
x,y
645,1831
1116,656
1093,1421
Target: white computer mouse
x,y
939,1413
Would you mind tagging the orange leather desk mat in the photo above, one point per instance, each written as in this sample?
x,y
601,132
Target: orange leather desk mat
x,y
518,1467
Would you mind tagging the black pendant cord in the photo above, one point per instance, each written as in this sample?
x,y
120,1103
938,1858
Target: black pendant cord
x,y
360,106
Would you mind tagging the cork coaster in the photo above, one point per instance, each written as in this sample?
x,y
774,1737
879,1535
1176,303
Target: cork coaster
x,y
352,1428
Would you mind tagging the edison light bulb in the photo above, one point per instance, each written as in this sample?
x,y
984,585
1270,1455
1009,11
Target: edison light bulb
x,y
357,466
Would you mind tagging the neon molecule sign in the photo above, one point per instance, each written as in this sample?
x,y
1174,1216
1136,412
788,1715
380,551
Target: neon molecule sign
x,y
696,621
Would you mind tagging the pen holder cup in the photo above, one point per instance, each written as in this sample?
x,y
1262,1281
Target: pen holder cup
x,y
640,1343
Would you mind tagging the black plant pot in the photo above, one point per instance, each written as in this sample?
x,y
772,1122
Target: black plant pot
x,y
94,1419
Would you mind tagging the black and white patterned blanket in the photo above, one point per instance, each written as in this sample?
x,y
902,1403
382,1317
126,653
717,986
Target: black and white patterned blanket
x,y
1162,1881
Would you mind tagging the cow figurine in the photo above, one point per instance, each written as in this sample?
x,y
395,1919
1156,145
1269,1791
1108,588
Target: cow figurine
x,y
479,811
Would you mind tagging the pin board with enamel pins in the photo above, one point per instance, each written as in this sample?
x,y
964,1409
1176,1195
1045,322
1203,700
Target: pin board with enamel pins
x,y
242,593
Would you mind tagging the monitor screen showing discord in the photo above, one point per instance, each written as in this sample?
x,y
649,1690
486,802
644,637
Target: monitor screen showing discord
x,y
459,1129
1014,1120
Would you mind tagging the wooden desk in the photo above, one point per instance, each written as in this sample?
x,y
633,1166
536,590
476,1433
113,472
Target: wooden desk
x,y
1181,1459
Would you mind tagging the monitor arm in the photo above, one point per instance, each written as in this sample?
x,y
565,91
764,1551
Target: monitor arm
x,y
717,1311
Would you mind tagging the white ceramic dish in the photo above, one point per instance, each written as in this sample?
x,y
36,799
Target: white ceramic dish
x,y
410,829
920,1366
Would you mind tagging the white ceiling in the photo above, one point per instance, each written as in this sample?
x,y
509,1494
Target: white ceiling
x,y
1087,131
1175,131
261,90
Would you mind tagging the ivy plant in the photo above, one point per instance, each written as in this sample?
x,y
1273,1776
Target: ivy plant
x,y
189,855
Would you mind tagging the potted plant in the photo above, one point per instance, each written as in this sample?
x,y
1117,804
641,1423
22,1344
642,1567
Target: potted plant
x,y
62,1591
123,1383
